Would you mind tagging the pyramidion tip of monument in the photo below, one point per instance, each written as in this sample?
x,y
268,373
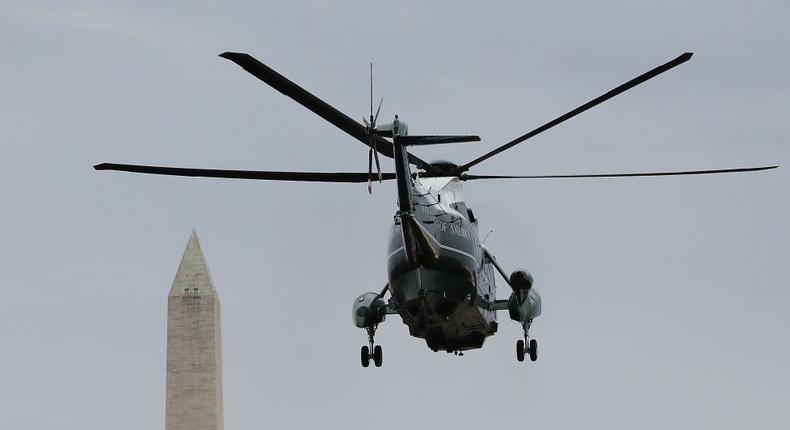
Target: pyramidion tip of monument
x,y
193,277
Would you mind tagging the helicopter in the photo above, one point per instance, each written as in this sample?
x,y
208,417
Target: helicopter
x,y
441,276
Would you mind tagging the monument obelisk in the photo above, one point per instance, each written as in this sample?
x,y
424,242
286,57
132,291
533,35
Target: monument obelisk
x,y
194,352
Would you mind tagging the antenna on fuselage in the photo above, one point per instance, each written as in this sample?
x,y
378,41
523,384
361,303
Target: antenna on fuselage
x,y
490,230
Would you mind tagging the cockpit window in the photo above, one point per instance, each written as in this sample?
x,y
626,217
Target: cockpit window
x,y
461,208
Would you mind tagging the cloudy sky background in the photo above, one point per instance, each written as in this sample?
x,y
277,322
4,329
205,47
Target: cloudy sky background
x,y
665,299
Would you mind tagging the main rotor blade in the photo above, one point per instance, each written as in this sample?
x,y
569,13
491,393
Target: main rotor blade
x,y
466,177
628,85
243,174
313,103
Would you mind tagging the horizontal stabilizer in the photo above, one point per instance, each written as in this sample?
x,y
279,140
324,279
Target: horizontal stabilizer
x,y
436,140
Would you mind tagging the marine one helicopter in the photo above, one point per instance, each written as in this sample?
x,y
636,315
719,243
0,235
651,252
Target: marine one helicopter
x,y
441,278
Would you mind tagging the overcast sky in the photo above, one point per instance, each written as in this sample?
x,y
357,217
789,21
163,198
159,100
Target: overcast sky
x,y
664,299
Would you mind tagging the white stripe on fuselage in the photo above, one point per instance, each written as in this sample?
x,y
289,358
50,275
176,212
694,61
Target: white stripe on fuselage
x,y
448,248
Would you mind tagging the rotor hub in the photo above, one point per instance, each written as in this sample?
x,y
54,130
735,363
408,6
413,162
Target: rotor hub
x,y
442,168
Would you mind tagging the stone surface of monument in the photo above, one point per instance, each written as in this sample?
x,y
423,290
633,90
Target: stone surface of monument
x,y
194,352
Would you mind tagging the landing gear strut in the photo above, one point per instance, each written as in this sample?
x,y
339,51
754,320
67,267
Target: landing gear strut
x,y
377,354
521,345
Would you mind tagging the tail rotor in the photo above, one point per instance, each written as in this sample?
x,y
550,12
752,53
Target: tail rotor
x,y
373,153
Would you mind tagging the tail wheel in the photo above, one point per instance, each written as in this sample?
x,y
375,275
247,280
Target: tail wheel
x,y
365,356
533,350
520,350
378,356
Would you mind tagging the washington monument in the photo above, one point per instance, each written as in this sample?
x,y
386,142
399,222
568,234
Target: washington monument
x,y
194,351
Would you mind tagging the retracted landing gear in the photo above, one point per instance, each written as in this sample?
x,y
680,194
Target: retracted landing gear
x,y
521,345
365,353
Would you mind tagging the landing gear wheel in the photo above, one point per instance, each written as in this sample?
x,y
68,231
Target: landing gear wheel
x,y
365,356
533,350
377,356
520,350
